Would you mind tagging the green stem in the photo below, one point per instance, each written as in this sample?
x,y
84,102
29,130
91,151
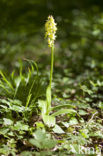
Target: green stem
x,y
48,91
52,61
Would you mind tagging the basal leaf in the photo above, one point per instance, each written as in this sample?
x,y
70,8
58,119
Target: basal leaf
x,y
49,120
62,106
64,111
42,106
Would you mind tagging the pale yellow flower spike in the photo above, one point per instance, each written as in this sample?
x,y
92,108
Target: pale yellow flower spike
x,y
50,28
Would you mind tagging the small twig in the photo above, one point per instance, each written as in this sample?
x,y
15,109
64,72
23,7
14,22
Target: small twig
x,y
91,118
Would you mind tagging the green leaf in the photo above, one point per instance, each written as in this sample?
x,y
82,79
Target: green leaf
x,y
2,86
84,133
17,83
33,64
86,90
62,106
82,112
17,108
73,121
101,105
42,106
57,129
7,82
28,99
42,140
66,124
7,122
64,111
49,120
35,143
97,134
4,131
20,126
26,153
39,125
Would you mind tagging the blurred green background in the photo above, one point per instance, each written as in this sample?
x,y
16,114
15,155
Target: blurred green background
x,y
79,36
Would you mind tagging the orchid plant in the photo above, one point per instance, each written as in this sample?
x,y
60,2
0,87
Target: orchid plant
x,y
45,105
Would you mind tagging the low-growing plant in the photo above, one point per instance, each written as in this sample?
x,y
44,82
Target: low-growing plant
x,y
20,92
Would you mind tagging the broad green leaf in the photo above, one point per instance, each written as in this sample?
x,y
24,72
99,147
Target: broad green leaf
x,y
42,140
42,106
26,153
97,134
17,108
73,121
62,106
57,129
7,122
64,111
66,124
20,126
49,120
5,102
82,112
101,105
4,131
39,125
36,143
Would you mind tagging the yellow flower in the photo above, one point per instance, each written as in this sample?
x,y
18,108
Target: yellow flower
x,y
50,28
